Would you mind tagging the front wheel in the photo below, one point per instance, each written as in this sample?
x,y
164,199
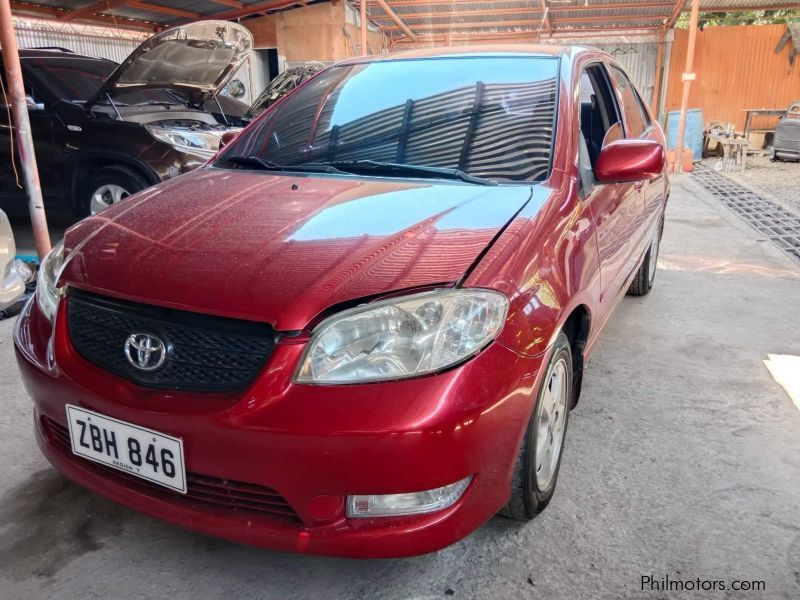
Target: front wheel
x,y
539,459
105,187
646,275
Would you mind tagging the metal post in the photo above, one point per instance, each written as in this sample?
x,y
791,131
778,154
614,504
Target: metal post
x,y
688,77
22,130
654,102
364,48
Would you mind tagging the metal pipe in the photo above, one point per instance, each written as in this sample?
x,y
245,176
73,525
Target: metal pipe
x,y
364,48
654,101
393,16
688,77
22,130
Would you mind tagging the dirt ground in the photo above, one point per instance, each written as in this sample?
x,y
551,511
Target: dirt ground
x,y
778,179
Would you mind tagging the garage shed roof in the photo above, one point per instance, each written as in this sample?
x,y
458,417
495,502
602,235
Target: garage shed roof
x,y
151,14
482,18
410,19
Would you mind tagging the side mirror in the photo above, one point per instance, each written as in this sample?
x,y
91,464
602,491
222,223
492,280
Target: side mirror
x,y
227,138
33,105
630,160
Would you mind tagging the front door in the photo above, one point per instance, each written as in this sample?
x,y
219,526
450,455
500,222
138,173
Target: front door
x,y
616,208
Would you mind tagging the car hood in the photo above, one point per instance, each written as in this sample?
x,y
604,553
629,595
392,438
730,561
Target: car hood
x,y
283,249
196,60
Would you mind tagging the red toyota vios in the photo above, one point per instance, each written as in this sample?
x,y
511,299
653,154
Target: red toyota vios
x,y
360,329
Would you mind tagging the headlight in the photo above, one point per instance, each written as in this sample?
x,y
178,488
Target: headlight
x,y
197,141
402,337
49,270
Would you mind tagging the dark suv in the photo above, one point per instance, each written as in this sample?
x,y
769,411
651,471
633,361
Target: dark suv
x,y
103,131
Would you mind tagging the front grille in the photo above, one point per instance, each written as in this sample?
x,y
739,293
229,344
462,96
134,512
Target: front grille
x,y
201,489
203,353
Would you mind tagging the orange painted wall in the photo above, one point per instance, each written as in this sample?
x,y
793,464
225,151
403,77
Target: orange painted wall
x,y
310,33
736,68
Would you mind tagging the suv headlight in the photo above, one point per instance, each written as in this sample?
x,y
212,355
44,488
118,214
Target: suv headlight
x,y
49,271
402,337
196,141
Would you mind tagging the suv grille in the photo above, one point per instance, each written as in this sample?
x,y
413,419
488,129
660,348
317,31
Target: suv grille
x,y
201,489
203,353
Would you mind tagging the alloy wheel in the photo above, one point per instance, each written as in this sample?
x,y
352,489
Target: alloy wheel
x,y
552,419
105,196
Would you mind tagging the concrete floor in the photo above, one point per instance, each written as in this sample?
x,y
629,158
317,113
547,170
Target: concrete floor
x,y
682,460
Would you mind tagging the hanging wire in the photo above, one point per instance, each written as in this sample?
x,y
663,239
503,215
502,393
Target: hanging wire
x,y
11,133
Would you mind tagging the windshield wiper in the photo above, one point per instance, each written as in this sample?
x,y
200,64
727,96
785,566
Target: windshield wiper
x,y
268,165
420,170
156,103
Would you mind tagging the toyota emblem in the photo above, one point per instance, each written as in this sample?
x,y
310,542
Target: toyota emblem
x,y
145,352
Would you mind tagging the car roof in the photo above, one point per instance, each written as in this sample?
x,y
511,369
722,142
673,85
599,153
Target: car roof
x,y
495,50
54,53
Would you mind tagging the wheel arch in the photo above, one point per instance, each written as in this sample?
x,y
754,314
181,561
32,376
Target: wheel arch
x,y
84,162
577,327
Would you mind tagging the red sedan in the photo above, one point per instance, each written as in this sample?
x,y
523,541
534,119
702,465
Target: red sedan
x,y
359,330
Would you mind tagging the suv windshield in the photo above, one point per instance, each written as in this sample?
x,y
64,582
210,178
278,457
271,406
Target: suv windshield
x,y
489,117
76,79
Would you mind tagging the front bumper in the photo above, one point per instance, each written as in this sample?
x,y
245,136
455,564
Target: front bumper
x,y
312,445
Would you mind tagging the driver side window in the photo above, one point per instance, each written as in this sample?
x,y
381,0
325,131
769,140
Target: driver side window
x,y
600,122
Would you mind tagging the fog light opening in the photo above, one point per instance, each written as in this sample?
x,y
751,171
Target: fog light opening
x,y
411,503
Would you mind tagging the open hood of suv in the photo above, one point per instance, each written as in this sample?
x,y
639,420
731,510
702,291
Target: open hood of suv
x,y
197,60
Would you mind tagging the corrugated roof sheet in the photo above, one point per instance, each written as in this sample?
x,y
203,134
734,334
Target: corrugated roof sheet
x,y
436,16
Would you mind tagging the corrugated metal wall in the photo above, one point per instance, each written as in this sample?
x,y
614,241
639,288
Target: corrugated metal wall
x,y
639,60
737,68
102,42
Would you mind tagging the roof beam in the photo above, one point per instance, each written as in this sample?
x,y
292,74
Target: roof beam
x,y
401,26
252,9
719,9
167,10
231,3
88,10
51,11
594,8
546,20
108,6
676,13
526,36
449,3
524,23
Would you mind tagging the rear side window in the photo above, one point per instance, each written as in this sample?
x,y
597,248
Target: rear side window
x,y
635,114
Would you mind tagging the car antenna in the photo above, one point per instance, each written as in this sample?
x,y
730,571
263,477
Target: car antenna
x,y
114,106
222,112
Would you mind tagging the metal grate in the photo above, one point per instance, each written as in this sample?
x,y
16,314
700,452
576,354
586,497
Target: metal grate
x,y
204,353
201,489
769,219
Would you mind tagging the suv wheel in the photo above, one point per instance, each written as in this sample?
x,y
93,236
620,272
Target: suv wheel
x,y
105,187
539,460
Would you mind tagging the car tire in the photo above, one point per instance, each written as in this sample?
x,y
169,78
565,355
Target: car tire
x,y
105,187
646,275
536,470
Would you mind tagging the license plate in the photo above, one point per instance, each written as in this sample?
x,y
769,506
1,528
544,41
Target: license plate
x,y
132,449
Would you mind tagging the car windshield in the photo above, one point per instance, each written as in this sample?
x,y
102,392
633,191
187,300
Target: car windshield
x,y
490,117
76,79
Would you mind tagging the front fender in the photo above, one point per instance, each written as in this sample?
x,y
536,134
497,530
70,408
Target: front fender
x,y
546,262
